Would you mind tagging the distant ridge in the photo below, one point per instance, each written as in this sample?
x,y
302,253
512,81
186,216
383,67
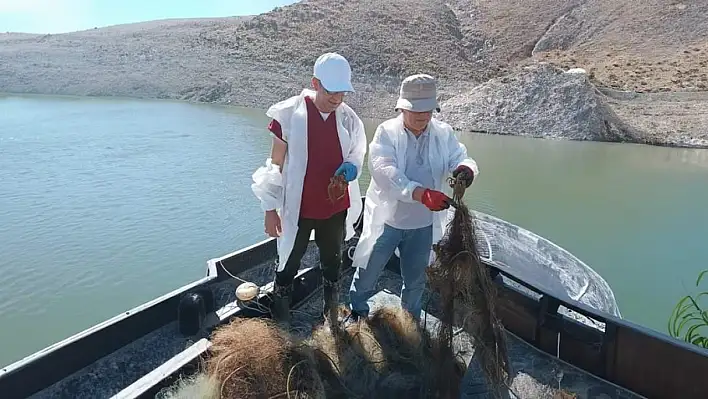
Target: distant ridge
x,y
644,47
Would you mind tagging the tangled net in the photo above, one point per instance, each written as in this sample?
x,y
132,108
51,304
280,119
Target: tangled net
x,y
253,358
466,289
337,188
387,355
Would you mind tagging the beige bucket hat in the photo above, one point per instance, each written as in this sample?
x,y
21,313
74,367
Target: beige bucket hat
x,y
418,94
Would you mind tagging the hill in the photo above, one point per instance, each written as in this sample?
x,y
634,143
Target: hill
x,y
643,47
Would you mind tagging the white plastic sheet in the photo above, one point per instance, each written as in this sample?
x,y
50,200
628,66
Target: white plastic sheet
x,y
268,186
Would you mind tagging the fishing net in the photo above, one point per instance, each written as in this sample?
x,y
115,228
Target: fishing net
x,y
466,290
253,358
386,355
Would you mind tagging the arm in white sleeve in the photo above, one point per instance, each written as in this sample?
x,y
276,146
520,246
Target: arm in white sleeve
x,y
268,186
458,155
268,180
357,152
384,169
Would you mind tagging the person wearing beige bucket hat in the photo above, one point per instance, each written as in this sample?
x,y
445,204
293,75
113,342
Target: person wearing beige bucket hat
x,y
418,93
410,158
317,137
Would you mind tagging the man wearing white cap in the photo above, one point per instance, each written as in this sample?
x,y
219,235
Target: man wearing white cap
x,y
410,158
316,136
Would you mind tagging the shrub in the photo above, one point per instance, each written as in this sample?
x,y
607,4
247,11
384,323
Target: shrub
x,y
689,320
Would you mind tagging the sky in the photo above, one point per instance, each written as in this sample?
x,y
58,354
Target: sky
x,y
59,16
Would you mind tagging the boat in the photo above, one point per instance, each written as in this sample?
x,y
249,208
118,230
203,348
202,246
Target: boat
x,y
563,328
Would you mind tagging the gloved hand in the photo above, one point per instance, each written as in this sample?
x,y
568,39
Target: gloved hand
x,y
465,173
348,170
435,200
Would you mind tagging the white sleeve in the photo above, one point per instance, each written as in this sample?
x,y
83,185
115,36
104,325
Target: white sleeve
x,y
357,151
268,186
384,169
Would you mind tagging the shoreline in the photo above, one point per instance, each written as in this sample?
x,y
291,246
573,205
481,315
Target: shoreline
x,y
529,69
365,115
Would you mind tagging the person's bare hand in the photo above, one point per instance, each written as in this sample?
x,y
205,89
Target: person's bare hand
x,y
272,224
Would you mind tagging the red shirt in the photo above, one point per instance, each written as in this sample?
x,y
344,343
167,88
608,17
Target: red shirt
x,y
324,157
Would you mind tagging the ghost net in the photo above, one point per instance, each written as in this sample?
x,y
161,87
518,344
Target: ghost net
x,y
465,288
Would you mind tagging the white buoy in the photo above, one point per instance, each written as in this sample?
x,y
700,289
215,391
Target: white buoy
x,y
246,291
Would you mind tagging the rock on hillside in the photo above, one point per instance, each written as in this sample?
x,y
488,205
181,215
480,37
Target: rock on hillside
x,y
539,101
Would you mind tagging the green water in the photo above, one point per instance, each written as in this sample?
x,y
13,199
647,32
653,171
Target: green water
x,y
105,204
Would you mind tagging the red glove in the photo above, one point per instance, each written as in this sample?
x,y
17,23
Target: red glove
x,y
435,200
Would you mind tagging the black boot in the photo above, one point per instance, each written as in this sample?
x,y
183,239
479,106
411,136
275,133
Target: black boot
x,y
331,301
280,309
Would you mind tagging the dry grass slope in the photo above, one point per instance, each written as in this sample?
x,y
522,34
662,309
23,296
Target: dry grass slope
x,y
653,45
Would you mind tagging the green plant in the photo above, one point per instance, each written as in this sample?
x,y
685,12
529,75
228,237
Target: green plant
x,y
689,321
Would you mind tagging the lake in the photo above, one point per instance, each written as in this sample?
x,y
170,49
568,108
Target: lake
x,y
108,203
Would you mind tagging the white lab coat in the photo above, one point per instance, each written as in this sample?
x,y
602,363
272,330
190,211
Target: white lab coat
x,y
283,192
389,185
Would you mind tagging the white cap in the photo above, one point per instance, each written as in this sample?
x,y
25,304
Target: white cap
x,y
334,72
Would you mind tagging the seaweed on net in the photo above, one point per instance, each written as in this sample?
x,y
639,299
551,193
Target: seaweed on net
x,y
466,288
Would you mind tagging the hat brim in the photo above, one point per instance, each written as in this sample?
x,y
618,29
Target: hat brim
x,y
422,105
337,87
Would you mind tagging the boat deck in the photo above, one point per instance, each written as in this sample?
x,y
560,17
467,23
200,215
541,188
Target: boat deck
x,y
109,375
537,375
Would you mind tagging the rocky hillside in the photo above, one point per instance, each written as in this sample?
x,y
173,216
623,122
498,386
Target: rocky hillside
x,y
644,46
539,98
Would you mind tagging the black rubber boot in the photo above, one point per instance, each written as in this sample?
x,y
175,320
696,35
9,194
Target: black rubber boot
x,y
280,309
331,301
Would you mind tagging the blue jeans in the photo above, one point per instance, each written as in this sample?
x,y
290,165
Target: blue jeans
x,y
414,248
